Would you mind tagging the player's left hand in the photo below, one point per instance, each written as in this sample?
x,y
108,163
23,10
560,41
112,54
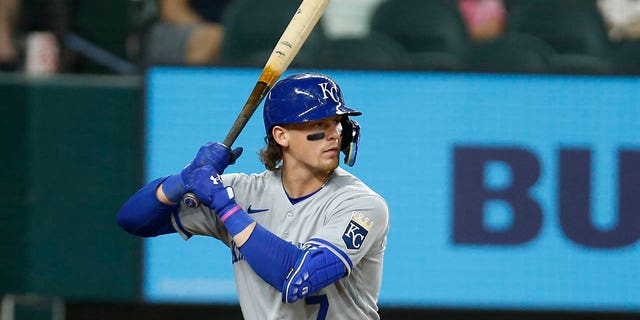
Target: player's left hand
x,y
214,154
206,183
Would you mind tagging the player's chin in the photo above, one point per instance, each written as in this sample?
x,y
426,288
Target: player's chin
x,y
329,164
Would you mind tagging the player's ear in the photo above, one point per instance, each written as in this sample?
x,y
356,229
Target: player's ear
x,y
280,135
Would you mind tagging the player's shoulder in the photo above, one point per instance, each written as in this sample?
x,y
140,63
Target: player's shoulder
x,y
237,179
349,186
350,194
343,179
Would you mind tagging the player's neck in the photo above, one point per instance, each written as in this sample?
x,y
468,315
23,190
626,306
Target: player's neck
x,y
298,184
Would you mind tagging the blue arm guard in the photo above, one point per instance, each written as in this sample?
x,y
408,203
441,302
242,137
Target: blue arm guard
x,y
144,215
295,272
269,256
317,268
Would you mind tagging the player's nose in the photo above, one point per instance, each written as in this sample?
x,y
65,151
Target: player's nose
x,y
334,131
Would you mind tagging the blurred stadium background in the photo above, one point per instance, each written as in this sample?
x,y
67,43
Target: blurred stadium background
x,y
76,146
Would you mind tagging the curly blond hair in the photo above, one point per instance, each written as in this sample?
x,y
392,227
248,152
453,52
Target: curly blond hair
x,y
271,154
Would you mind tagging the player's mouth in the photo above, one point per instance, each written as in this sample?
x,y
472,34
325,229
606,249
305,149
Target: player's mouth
x,y
333,150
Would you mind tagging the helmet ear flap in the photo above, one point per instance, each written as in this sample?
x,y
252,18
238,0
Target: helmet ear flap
x,y
350,140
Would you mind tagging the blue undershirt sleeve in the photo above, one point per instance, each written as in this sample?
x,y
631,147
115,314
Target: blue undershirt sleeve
x,y
269,256
144,215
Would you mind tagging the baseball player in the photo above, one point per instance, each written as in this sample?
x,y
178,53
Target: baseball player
x,y
306,237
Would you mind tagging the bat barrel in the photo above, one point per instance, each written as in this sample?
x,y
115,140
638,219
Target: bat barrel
x,y
258,93
287,47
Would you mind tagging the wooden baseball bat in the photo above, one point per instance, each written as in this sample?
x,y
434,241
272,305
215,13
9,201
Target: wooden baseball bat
x,y
286,49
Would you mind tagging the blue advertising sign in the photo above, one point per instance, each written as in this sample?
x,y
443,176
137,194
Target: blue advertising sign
x,y
505,191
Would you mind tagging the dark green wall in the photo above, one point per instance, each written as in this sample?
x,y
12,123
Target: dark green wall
x,y
13,184
72,156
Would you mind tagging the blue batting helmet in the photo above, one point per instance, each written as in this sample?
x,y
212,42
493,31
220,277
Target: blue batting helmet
x,y
304,97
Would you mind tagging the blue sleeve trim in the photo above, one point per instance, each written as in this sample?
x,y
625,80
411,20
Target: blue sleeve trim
x,y
184,231
144,215
269,256
348,264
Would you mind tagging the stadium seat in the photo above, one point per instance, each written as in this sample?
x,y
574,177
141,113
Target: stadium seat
x,y
422,26
374,51
253,27
511,52
569,26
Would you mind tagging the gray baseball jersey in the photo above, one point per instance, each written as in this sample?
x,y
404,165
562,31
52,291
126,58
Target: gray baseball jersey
x,y
345,213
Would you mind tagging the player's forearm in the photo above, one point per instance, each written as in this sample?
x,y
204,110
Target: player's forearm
x,y
162,197
293,271
144,214
268,255
241,238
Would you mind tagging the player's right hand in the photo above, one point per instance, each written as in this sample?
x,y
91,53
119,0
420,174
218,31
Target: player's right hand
x,y
206,183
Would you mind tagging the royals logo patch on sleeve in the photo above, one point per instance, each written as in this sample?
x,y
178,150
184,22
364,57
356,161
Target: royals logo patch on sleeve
x,y
356,230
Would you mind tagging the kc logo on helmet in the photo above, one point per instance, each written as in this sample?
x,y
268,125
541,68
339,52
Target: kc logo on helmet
x,y
329,91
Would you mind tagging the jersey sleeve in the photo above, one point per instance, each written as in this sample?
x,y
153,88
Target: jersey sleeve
x,y
202,220
357,225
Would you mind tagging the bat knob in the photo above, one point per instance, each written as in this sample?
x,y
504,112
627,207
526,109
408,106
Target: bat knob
x,y
190,200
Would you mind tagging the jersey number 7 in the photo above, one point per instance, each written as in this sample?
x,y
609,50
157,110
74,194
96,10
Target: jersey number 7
x,y
322,301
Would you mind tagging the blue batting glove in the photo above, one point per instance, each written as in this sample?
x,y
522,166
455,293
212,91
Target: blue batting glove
x,y
213,153
207,185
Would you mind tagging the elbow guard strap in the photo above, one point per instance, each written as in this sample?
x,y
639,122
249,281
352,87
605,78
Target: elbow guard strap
x,y
315,269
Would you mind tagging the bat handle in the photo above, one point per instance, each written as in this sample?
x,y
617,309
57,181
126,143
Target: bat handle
x,y
190,200
260,90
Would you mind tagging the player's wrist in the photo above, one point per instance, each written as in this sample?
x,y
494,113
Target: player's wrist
x,y
173,188
228,210
235,219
